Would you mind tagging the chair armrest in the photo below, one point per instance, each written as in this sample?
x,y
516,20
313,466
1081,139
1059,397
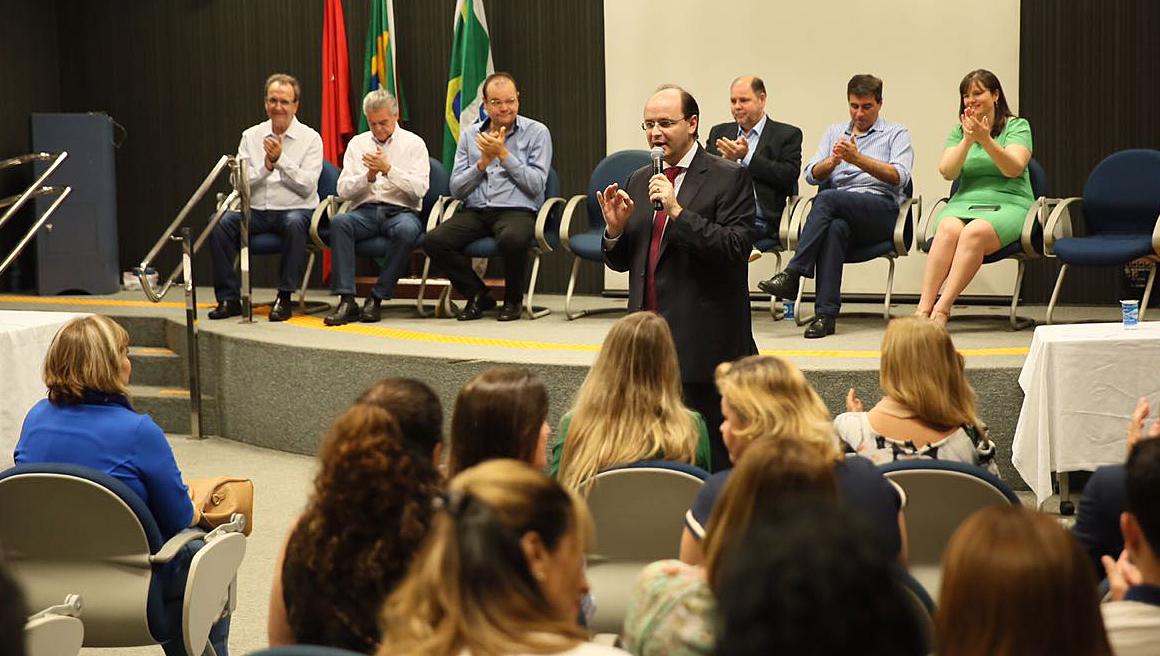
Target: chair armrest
x,y
798,222
542,227
1062,212
450,207
325,208
435,213
904,214
1036,214
174,545
237,524
923,223
1156,236
72,607
783,225
570,209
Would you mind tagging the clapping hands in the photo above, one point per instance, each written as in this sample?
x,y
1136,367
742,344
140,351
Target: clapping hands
x,y
975,128
735,149
492,146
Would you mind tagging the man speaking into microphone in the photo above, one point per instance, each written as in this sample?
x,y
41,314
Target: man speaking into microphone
x,y
682,229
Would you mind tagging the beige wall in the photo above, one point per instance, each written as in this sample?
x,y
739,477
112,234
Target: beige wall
x,y
806,52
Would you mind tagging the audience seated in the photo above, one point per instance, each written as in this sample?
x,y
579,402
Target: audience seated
x,y
672,612
809,580
927,408
629,407
13,613
767,398
371,509
1132,619
1015,583
501,573
501,413
87,420
988,152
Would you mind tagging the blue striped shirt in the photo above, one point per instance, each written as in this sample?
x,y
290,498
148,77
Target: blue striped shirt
x,y
884,141
517,180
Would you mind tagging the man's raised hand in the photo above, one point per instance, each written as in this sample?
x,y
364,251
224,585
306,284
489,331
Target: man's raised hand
x,y
616,206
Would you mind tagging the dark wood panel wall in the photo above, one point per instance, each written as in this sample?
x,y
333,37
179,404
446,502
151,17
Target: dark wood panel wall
x,y
1088,75
184,77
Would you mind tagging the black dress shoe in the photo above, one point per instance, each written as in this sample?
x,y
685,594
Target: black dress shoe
x,y
226,309
781,285
281,310
510,312
822,325
346,312
480,303
372,311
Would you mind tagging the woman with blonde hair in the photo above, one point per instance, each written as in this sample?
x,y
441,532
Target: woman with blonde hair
x,y
502,571
1015,582
764,397
671,613
629,407
927,408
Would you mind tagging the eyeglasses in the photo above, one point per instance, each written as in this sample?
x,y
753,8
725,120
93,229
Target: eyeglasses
x,y
496,102
279,102
664,124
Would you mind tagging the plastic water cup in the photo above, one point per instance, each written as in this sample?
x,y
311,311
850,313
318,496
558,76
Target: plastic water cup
x,y
788,310
1130,310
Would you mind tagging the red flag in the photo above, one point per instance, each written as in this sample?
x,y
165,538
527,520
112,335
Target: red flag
x,y
337,127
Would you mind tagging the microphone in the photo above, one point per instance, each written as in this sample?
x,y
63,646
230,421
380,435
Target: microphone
x,y
658,167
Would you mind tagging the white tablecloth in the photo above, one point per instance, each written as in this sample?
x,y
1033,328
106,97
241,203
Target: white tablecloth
x,y
24,339
1081,383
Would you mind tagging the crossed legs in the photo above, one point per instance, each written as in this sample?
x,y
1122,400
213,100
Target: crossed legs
x,y
955,256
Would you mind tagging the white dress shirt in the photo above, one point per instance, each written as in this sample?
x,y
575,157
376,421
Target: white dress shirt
x,y
406,182
293,184
610,242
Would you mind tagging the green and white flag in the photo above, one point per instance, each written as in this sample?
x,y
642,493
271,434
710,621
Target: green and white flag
x,y
470,66
379,69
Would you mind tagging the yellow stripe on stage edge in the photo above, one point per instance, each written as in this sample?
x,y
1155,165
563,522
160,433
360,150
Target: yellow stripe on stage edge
x,y
416,336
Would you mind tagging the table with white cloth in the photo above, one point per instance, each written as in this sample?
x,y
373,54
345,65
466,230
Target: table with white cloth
x,y
1081,383
24,340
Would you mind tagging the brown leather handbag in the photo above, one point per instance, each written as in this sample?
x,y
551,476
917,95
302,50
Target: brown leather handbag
x,y
215,500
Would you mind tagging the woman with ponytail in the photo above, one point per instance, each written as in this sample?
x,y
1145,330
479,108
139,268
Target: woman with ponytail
x,y
370,511
501,573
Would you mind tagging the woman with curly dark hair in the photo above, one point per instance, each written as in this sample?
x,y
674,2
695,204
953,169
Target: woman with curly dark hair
x,y
371,508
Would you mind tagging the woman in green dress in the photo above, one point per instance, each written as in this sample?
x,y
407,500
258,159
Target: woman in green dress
x,y
988,151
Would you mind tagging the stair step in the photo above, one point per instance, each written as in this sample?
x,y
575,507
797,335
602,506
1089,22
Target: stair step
x,y
145,331
157,365
168,405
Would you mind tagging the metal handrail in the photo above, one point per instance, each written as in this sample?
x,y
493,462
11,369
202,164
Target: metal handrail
x,y
35,190
238,179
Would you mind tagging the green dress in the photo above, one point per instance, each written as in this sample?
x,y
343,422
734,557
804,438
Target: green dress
x,y
557,452
984,192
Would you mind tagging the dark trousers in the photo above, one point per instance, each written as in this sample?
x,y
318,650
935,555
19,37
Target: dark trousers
x,y
837,220
704,398
399,226
513,230
292,225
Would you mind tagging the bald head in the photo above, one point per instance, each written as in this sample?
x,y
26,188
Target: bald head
x,y
747,101
675,108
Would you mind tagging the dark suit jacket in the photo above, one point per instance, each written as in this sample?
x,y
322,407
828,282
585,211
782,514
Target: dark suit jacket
x,y
775,165
1097,526
702,282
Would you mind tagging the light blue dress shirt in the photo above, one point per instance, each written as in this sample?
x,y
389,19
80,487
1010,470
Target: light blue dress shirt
x,y
753,136
884,141
517,180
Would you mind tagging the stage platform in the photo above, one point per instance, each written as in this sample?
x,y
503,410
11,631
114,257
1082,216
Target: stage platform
x,y
279,385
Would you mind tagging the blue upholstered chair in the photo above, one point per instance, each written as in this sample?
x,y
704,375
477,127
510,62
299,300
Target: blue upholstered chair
x,y
639,512
432,208
898,245
940,495
73,530
1029,246
303,650
921,606
582,226
546,238
1121,219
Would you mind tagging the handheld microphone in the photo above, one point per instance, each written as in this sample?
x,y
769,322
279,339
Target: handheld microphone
x,y
658,167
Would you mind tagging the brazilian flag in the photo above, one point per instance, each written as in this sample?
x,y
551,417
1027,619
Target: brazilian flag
x,y
470,66
379,63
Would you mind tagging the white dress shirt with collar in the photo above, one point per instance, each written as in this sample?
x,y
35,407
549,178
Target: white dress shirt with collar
x,y
406,182
610,242
293,184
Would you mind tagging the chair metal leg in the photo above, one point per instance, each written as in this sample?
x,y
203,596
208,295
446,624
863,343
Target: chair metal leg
x,y
305,279
1018,322
800,317
568,313
889,289
1055,292
530,310
419,307
776,310
445,308
1147,290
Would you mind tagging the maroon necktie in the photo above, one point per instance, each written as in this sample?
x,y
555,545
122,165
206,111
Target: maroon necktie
x,y
654,248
